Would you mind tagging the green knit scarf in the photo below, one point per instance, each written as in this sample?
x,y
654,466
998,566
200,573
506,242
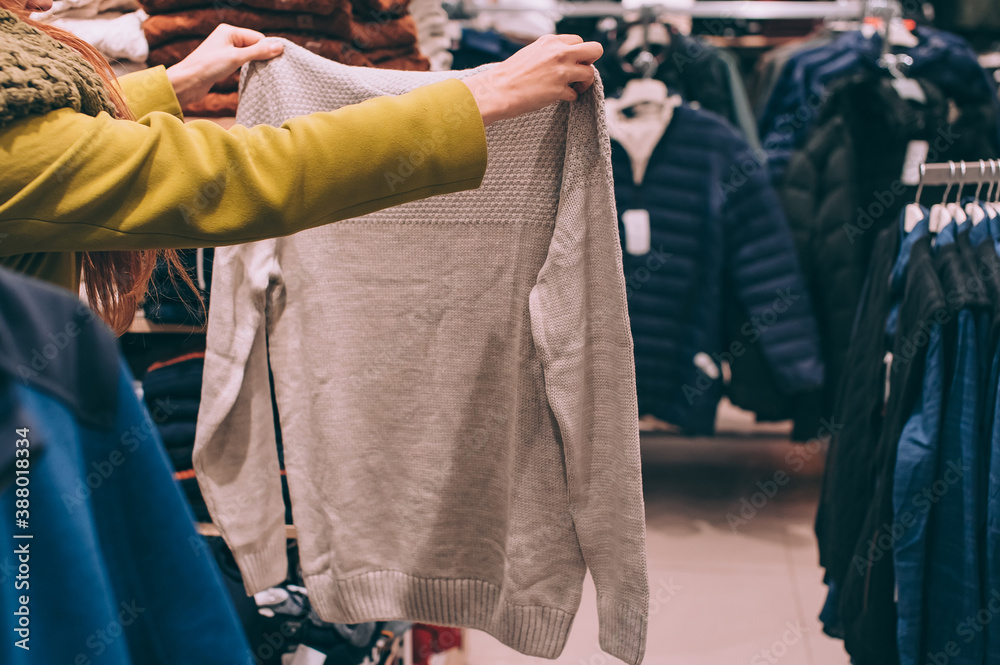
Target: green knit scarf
x,y
39,74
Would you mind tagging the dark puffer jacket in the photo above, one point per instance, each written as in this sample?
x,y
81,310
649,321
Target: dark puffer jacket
x,y
717,233
790,115
845,186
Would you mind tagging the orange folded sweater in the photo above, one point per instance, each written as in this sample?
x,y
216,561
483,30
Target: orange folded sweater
x,y
311,6
173,52
369,9
163,28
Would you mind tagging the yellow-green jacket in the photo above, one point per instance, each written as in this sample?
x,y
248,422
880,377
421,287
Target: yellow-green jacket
x,y
70,182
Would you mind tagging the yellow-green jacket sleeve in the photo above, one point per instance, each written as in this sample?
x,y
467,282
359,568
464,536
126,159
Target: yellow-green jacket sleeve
x,y
72,182
149,90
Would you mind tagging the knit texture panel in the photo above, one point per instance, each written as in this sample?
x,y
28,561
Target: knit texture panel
x,y
39,74
454,382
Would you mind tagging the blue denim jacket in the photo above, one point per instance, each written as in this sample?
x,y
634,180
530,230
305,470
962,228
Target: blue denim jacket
x,y
115,573
989,232
916,460
953,583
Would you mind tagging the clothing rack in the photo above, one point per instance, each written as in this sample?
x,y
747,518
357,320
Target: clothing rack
x,y
955,173
840,9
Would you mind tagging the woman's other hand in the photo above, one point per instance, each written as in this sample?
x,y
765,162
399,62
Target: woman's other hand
x,y
556,67
223,52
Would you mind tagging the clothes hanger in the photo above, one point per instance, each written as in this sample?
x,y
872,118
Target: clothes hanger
x,y
958,215
650,105
994,165
894,33
884,17
940,216
985,202
914,212
645,89
974,208
993,196
643,35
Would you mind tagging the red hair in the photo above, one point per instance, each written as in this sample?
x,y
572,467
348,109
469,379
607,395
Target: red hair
x,y
115,281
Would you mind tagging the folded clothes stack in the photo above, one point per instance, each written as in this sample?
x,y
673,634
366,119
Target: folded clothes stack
x,y
362,33
171,389
172,392
170,299
113,27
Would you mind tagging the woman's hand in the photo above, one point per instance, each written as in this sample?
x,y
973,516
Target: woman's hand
x,y
556,67
223,52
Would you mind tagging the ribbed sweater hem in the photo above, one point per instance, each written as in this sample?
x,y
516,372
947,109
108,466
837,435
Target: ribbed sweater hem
x,y
385,595
622,631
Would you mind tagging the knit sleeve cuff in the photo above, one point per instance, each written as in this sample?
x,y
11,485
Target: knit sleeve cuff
x,y
622,631
150,90
265,563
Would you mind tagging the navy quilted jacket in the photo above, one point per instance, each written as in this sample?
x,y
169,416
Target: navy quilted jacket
x,y
716,232
793,109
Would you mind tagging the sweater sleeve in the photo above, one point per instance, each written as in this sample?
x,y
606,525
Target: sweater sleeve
x,y
579,323
78,183
764,269
235,453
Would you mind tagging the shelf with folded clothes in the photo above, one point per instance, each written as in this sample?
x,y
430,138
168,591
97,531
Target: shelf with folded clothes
x,y
177,303
113,27
141,325
171,390
362,33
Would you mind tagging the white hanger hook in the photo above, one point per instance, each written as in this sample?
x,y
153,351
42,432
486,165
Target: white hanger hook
x,y
951,181
920,183
982,178
961,183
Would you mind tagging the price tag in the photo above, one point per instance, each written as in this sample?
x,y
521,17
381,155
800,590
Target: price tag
x,y
637,233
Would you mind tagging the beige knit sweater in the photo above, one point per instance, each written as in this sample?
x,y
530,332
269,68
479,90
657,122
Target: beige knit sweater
x,y
455,386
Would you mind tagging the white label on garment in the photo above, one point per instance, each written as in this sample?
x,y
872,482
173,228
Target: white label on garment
x,y
306,656
704,362
916,154
909,89
637,235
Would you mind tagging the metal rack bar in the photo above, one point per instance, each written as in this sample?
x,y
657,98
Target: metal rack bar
x,y
976,171
841,9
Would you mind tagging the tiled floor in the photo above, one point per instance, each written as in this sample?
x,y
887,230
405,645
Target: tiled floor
x,y
732,571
